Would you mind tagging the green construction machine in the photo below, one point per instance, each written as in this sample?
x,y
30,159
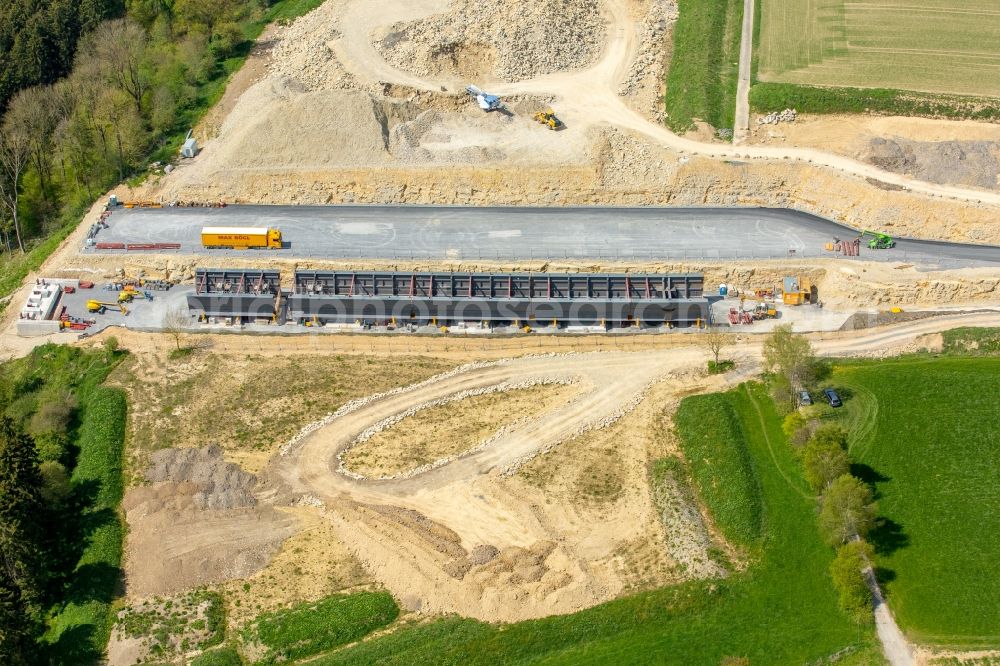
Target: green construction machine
x,y
879,240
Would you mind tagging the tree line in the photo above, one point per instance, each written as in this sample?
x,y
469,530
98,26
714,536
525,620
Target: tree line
x,y
88,96
38,39
847,508
46,515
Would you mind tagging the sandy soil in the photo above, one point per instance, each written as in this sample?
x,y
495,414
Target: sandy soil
x,y
447,430
433,539
941,151
175,544
848,134
248,404
311,564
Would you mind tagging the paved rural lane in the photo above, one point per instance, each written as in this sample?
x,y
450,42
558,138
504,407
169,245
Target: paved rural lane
x,y
443,232
741,126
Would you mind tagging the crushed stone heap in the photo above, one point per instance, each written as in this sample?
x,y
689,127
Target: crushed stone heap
x,y
511,41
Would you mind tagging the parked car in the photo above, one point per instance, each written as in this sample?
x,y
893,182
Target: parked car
x,y
833,398
805,399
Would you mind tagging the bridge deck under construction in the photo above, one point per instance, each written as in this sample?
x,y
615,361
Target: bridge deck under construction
x,y
233,292
561,298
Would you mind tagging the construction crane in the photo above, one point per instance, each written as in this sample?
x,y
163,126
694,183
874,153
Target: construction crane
x,y
486,101
99,307
548,117
879,240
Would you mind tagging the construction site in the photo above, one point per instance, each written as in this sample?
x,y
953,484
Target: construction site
x,y
473,278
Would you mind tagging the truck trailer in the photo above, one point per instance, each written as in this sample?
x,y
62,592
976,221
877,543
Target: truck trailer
x,y
241,238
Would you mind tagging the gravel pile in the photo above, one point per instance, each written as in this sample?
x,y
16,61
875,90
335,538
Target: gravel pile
x,y
519,40
222,485
971,163
648,64
786,116
302,51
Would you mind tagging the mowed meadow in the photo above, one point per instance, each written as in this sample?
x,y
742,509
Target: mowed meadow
x,y
935,46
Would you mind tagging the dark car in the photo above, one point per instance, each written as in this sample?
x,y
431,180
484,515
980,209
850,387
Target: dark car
x,y
833,398
805,399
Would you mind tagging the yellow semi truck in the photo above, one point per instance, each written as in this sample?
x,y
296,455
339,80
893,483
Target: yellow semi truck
x,y
241,238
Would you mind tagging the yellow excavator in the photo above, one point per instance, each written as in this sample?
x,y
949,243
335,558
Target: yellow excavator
x,y
100,308
548,117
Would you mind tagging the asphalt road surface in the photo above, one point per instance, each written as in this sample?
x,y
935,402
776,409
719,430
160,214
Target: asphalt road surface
x,y
436,232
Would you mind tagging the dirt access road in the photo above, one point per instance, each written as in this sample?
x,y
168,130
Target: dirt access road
x,y
421,533
589,97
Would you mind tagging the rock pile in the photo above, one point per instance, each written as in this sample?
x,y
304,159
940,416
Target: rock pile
x,y
221,485
648,64
973,163
302,51
786,116
516,41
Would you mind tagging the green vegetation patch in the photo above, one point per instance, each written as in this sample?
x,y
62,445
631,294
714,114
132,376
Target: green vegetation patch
x,y
55,394
935,46
98,480
15,267
704,66
781,610
312,628
928,434
224,656
768,97
713,441
174,626
969,341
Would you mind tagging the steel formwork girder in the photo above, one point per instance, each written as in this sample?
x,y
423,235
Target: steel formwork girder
x,y
503,285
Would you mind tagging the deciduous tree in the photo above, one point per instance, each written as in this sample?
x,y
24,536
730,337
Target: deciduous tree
x,y
21,510
848,510
175,321
15,150
847,570
715,340
789,356
824,462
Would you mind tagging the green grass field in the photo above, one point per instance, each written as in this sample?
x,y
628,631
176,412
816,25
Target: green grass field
x,y
928,431
781,610
312,628
936,46
701,80
723,472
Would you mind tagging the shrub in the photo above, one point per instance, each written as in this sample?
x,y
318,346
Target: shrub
x,y
54,415
56,487
720,367
225,656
